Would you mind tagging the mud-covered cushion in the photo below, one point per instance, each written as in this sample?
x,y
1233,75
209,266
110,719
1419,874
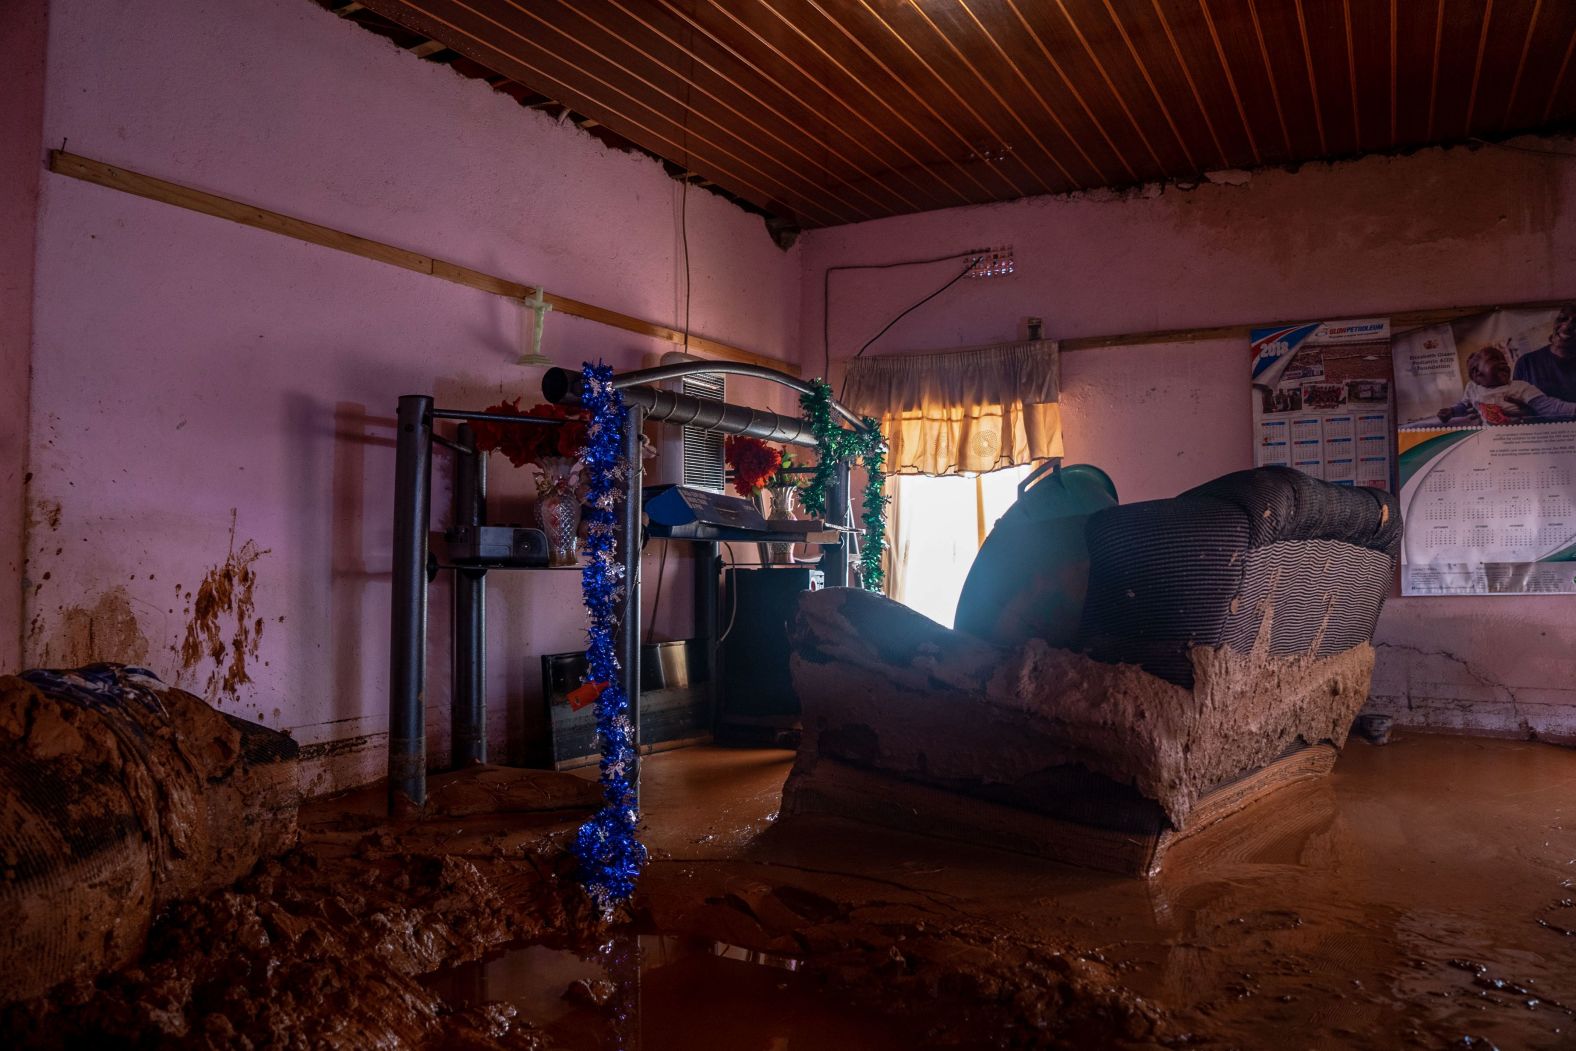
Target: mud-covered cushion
x,y
1269,555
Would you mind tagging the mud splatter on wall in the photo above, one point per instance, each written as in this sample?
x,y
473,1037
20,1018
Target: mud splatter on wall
x,y
106,631
224,629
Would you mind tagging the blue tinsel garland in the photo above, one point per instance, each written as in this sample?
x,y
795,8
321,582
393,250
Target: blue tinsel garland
x,y
610,855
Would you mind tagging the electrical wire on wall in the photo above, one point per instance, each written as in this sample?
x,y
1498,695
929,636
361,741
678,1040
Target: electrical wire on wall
x,y
662,562
972,263
826,294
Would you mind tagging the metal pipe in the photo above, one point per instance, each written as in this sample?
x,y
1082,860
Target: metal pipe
x,y
562,387
493,417
680,369
408,608
468,698
629,554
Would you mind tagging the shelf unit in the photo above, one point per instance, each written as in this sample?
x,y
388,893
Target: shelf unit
x,y
407,757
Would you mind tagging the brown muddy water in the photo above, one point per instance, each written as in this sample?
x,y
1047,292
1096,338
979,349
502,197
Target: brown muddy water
x,y
1423,895
659,993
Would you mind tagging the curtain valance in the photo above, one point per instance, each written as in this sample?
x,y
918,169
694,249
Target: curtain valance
x,y
973,410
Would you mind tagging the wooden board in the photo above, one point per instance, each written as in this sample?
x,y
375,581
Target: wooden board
x,y
165,192
848,791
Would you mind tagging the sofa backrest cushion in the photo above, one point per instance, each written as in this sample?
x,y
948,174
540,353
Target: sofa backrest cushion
x,y
1207,567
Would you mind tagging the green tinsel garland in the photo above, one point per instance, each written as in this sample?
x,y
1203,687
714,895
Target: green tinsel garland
x,y
833,443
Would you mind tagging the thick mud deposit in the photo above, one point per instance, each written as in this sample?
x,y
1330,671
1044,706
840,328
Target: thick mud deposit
x,y
1420,895
321,947
119,795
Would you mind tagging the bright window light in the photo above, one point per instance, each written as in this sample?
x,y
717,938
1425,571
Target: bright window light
x,y
937,530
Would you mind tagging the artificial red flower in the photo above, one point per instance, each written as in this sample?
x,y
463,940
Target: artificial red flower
x,y
753,462
533,443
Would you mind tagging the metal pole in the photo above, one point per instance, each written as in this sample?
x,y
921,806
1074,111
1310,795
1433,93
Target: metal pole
x,y
629,552
836,563
408,606
706,620
468,699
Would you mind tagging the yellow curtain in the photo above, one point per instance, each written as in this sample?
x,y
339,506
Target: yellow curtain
x,y
973,410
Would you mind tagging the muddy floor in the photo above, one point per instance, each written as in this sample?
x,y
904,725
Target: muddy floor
x,y
1424,895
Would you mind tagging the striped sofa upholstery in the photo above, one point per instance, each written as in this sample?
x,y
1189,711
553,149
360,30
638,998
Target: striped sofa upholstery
x,y
1267,552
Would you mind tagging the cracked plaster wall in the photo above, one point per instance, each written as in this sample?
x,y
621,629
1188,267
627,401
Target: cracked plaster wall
x,y
1438,228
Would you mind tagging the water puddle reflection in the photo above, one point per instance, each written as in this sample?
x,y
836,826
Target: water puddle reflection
x,y
656,992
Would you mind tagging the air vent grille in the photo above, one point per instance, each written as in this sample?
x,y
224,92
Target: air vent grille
x,y
704,463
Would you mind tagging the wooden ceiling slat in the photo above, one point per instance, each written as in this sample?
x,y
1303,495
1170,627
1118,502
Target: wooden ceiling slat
x,y
553,47
1269,75
848,87
1433,74
887,67
958,24
1056,66
1351,73
1073,68
1313,82
1192,84
605,27
1366,40
1477,66
1521,64
1105,77
1416,22
1460,46
1180,66
1039,95
1286,52
979,128
1394,72
1559,78
1231,81
1160,60
799,92
1501,62
1334,80
477,40
822,112
1544,41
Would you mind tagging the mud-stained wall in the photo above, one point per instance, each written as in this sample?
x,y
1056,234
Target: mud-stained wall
x,y
213,405
1439,228
22,48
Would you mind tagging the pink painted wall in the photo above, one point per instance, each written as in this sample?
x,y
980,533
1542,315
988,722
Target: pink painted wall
x,y
22,41
200,387
1378,235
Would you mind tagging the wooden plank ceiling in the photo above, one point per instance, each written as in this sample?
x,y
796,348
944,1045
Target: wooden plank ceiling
x,y
822,112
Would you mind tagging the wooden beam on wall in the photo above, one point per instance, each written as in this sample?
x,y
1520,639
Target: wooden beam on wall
x,y
137,184
1401,321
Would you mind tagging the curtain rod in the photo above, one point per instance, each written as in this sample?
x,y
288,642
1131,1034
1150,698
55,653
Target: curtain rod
x,y
154,189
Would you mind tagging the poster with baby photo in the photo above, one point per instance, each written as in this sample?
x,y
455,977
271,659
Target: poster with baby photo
x,y
1486,443
1489,370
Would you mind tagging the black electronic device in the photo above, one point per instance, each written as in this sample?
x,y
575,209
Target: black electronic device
x,y
496,546
757,704
683,505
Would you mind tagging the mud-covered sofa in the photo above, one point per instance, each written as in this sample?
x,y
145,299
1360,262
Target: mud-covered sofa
x,y
1223,652
119,795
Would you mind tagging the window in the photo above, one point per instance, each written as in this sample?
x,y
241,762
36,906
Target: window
x,y
938,525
